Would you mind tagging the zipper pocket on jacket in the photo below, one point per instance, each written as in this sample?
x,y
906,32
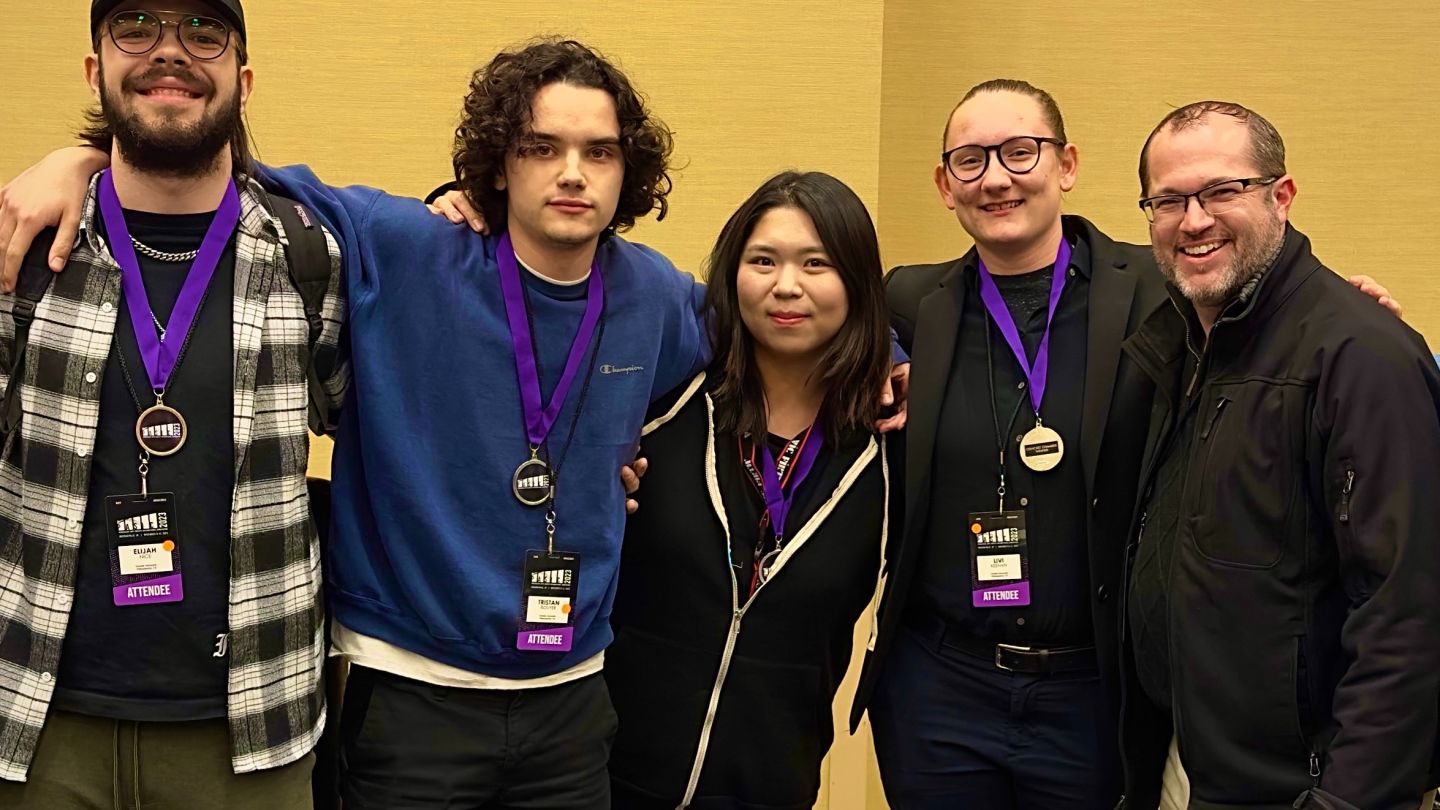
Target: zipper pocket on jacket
x,y
1214,418
1346,490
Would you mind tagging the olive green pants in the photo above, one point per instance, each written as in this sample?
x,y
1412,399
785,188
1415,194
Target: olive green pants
x,y
91,763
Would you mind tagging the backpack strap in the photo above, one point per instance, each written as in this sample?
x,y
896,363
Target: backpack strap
x,y
30,287
308,257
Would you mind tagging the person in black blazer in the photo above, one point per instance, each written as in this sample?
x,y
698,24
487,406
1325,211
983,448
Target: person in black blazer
x,y
1011,706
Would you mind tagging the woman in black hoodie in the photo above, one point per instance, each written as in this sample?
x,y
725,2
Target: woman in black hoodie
x,y
764,519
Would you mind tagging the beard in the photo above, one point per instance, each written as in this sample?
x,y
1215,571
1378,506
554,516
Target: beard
x,y
170,147
1254,252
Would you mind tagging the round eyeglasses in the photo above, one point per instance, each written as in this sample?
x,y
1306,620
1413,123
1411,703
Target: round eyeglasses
x,y
1018,155
139,32
1216,198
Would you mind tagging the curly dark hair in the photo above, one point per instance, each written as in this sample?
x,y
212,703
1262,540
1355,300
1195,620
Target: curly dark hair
x,y
496,120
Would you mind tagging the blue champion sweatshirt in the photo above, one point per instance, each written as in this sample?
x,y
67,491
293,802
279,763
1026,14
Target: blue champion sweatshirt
x,y
427,542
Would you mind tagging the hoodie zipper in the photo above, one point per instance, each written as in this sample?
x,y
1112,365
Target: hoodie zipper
x,y
730,639
737,610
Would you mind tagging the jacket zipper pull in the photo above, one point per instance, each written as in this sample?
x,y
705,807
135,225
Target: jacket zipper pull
x,y
1315,768
1345,493
1205,434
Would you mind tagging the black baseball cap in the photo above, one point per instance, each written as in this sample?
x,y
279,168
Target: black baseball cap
x,y
229,10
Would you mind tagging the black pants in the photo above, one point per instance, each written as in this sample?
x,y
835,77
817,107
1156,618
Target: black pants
x,y
407,744
953,731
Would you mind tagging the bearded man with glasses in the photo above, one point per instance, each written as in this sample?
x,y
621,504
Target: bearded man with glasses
x,y
160,601
1282,617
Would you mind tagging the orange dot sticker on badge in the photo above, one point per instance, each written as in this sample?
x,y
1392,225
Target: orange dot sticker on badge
x,y
975,528
168,545
565,608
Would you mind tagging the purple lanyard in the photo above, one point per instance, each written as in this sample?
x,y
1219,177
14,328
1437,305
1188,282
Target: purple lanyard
x,y
995,305
538,421
158,354
780,497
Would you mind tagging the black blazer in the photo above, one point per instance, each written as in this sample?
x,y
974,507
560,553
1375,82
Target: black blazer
x,y
926,303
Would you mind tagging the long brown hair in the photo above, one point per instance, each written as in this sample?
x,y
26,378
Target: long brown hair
x,y
857,361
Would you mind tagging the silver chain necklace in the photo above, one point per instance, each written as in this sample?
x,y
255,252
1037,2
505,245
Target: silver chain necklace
x,y
162,256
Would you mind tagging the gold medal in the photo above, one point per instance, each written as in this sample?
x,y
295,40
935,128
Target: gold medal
x,y
1042,448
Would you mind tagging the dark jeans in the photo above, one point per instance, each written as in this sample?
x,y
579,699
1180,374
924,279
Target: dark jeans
x,y
407,744
952,730
93,763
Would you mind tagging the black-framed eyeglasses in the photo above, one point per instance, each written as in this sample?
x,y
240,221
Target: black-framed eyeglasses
x,y
1019,155
138,32
1216,198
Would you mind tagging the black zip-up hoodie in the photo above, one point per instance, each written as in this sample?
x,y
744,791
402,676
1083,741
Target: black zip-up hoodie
x,y
1304,625
748,698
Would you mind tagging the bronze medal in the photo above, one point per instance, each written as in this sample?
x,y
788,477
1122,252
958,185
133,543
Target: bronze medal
x,y
160,430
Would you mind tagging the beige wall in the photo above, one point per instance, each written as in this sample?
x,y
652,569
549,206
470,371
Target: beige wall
x,y
1351,86
369,93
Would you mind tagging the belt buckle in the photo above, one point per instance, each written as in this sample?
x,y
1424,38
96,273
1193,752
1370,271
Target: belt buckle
x,y
999,648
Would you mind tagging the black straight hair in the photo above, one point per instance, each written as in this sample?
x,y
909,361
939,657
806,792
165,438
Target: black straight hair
x,y
856,363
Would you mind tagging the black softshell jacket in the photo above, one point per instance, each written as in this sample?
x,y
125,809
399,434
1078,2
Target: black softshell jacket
x,y
1304,618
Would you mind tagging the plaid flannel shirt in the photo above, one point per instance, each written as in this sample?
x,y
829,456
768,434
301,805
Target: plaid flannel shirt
x,y
276,705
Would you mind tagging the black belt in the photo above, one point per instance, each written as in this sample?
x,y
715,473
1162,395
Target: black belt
x,y
1024,659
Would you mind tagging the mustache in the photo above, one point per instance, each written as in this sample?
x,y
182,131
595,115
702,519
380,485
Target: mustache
x,y
191,79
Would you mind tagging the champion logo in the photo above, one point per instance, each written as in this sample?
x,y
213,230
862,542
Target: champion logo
x,y
555,576
166,430
609,369
150,522
534,482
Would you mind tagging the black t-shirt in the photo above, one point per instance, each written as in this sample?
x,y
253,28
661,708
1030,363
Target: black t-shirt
x,y
1027,296
966,464
157,662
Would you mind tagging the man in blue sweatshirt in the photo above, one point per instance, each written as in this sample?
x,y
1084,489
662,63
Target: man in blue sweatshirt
x,y
499,382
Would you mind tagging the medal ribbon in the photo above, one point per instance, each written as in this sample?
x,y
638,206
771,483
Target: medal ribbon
x,y
158,354
778,484
1000,313
538,420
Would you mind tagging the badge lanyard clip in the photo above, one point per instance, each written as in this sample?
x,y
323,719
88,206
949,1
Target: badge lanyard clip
x,y
1000,490
144,474
550,527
